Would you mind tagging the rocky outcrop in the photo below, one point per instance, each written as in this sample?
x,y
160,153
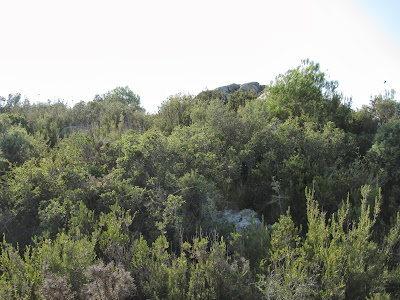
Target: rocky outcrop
x,y
246,87
228,89
241,219
252,86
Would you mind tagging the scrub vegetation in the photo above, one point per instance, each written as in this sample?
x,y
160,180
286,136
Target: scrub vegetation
x,y
103,201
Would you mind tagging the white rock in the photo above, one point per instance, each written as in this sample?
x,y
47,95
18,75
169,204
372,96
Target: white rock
x,y
241,219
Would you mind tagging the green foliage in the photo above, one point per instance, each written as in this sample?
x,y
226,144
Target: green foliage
x,y
201,198
144,157
102,196
114,238
384,107
363,126
82,222
199,272
338,258
384,160
16,145
240,99
253,244
305,91
54,217
215,276
19,276
173,112
200,149
288,275
46,120
69,257
223,122
284,240
169,214
121,94
385,150
8,104
364,263
325,250
254,115
205,97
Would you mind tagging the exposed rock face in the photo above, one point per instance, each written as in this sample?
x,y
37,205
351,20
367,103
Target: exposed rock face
x,y
252,86
246,87
229,89
241,219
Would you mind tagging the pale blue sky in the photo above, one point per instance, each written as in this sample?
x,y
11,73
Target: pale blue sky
x,y
385,13
75,49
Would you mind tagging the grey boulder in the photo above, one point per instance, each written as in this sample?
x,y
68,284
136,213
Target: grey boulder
x,y
241,219
246,87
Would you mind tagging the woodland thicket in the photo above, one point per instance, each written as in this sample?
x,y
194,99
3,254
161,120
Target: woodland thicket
x,y
104,201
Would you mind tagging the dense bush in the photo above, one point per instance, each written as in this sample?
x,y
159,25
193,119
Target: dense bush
x,y
104,201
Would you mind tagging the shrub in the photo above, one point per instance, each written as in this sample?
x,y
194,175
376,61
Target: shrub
x,y
56,287
108,282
